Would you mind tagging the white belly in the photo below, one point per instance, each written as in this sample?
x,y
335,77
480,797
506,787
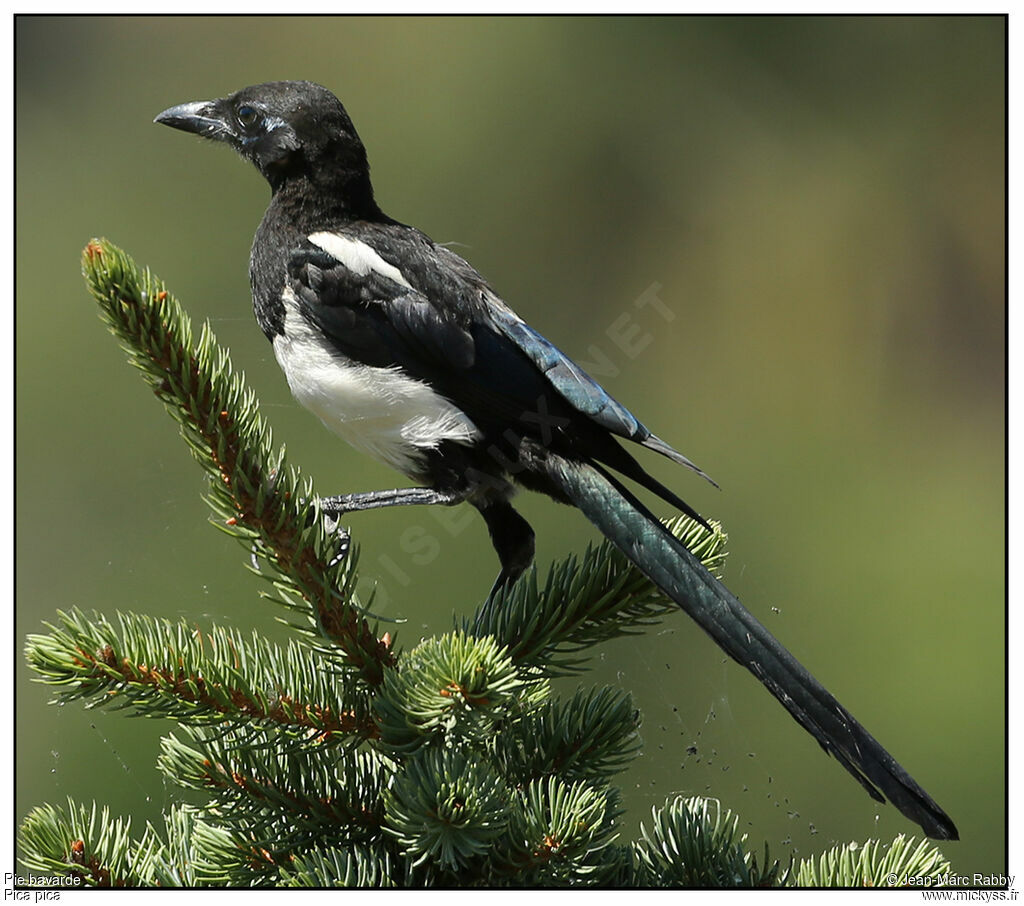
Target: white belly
x,y
380,411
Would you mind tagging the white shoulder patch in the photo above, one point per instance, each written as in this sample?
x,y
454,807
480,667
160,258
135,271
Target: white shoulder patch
x,y
357,256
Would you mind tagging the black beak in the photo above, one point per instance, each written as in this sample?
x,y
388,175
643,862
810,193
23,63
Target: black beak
x,y
200,117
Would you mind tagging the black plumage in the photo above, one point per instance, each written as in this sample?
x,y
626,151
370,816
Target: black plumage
x,y
401,347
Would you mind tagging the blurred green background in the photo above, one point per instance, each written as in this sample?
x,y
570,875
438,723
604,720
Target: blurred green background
x,y
821,202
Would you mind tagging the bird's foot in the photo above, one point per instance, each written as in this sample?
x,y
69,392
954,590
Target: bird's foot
x,y
375,500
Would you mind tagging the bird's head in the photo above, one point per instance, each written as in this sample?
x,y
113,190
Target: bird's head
x,y
285,128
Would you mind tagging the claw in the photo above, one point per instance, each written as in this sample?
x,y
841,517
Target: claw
x,y
343,541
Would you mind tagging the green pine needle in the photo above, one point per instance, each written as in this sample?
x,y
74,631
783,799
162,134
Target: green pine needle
x,y
558,835
873,864
448,808
454,685
357,866
592,736
88,845
254,785
696,843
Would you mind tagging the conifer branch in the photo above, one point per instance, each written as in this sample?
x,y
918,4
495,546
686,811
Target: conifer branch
x,y
560,833
358,866
900,863
453,686
586,600
261,790
169,669
256,497
697,843
592,736
89,846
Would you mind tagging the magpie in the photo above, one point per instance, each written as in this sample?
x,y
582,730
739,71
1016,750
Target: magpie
x,y
400,347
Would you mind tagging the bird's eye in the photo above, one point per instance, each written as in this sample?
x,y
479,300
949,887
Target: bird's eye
x,y
247,116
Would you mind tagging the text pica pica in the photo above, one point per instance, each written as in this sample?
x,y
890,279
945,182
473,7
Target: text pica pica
x,y
400,347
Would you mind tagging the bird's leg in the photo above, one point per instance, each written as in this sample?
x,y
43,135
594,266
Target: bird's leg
x,y
512,538
374,500
333,508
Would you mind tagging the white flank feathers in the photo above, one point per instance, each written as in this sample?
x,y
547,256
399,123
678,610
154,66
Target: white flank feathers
x,y
381,411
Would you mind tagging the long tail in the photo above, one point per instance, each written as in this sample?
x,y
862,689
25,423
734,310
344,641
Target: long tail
x,y
631,527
